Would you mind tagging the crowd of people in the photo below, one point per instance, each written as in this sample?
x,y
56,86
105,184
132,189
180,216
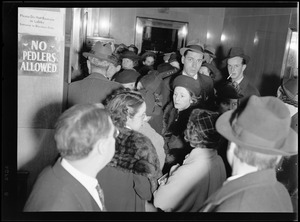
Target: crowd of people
x,y
179,136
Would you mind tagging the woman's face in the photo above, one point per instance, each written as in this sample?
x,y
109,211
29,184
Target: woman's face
x,y
181,98
138,119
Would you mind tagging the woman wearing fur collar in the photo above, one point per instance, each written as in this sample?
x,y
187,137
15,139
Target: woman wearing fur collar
x,y
130,178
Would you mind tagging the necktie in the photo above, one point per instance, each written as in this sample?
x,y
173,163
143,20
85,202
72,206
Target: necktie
x,y
236,86
101,196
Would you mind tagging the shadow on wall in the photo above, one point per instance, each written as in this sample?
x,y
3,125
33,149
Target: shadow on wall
x,y
44,122
269,84
219,61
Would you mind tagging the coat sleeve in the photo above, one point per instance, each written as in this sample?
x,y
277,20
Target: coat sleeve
x,y
180,188
142,187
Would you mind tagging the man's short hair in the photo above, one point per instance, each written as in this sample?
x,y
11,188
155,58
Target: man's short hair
x,y
79,128
259,160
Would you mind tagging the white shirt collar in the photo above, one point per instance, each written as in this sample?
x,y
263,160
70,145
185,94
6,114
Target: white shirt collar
x,y
185,74
239,81
88,182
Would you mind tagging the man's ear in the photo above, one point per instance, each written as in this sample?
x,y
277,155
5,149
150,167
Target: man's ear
x,y
100,146
244,67
182,59
118,68
88,63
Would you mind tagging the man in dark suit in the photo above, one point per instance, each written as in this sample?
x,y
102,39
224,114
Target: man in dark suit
x,y
236,64
102,65
192,58
85,138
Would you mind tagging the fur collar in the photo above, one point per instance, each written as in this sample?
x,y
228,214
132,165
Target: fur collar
x,y
135,153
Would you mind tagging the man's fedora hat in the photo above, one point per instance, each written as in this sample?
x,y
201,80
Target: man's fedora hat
x,y
210,50
236,52
100,51
263,127
130,55
195,46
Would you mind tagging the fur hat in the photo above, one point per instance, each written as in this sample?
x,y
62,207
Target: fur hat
x,y
189,83
263,127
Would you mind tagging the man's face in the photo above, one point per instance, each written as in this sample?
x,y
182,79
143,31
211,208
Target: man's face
x,y
235,68
127,63
192,63
149,61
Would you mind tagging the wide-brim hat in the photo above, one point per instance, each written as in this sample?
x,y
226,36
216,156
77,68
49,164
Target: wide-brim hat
x,y
210,50
100,51
263,127
194,45
236,52
189,83
130,55
148,53
127,76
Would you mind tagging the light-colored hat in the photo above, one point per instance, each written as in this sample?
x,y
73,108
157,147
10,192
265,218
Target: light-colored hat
x,y
263,127
101,51
195,46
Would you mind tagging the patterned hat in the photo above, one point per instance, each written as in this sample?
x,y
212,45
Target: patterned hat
x,y
201,130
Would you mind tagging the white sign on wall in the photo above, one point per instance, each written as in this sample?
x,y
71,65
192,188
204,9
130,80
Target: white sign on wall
x,y
40,22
